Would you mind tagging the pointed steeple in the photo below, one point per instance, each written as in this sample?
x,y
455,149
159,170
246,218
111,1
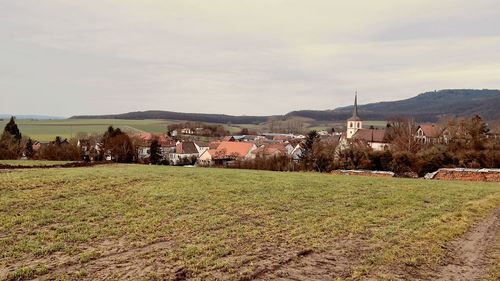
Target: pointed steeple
x,y
355,116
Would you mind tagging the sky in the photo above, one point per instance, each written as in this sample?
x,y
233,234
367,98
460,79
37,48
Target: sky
x,y
242,57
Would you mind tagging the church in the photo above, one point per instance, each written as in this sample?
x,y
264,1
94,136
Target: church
x,y
355,133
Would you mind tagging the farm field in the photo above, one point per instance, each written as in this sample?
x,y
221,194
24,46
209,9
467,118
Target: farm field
x,y
47,130
137,222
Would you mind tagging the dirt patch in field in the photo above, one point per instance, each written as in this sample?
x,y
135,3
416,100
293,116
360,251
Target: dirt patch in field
x,y
339,261
67,165
489,175
119,261
470,258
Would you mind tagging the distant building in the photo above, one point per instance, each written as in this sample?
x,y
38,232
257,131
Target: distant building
x,y
375,139
187,131
428,133
185,153
227,152
354,123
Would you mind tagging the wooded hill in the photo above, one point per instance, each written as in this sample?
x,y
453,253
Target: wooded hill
x,y
426,107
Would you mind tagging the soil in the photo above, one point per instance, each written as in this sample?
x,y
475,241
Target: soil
x,y
67,165
467,175
469,257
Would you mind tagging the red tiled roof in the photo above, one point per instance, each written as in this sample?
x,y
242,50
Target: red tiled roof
x,y
214,144
233,149
202,144
271,149
430,130
187,147
370,135
146,139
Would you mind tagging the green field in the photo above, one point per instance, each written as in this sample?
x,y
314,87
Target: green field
x,y
152,223
47,130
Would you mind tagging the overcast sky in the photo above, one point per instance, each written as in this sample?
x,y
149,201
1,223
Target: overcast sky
x,y
252,57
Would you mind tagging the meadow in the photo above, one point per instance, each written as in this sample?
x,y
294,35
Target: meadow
x,y
154,222
47,130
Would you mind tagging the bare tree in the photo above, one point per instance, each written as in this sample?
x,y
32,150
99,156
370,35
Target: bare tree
x,y
402,134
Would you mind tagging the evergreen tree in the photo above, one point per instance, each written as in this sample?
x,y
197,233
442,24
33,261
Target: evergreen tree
x,y
155,152
29,148
12,129
307,158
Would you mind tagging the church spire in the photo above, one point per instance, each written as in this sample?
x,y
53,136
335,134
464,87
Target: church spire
x,y
355,110
355,116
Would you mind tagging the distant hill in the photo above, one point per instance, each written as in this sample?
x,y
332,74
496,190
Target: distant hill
x,y
201,117
426,107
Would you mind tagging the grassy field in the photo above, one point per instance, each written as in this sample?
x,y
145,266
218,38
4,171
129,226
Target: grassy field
x,y
147,223
47,130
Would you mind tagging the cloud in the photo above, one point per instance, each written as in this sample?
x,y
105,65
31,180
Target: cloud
x,y
239,57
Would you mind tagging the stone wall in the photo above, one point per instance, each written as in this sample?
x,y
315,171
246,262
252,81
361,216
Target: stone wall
x,y
363,173
489,175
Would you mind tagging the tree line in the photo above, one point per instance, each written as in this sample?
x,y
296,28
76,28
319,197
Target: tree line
x,y
468,144
114,144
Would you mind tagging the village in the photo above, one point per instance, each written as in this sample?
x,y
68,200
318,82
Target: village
x,y
184,145
400,146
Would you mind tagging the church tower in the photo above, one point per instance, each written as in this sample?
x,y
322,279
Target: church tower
x,y
354,123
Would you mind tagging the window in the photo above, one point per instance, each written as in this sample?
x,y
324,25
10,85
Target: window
x,y
350,124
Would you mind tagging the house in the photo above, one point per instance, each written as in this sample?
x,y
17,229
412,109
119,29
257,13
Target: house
x,y
375,139
83,144
206,158
201,147
185,153
143,144
229,151
296,152
428,133
90,148
228,138
187,131
278,136
323,133
273,150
